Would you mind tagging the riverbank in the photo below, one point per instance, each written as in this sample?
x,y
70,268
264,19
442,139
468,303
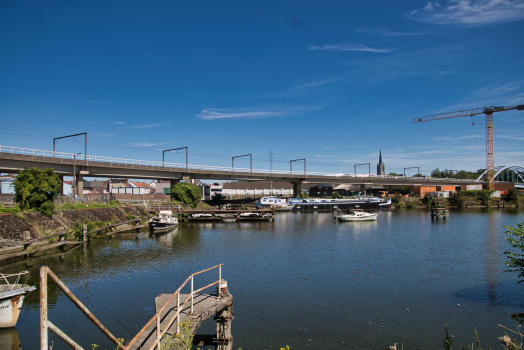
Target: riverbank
x,y
416,203
12,226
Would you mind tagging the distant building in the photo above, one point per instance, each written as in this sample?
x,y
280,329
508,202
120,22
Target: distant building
x,y
381,168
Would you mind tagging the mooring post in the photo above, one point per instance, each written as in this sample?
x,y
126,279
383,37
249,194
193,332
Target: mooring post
x,y
27,235
43,308
84,232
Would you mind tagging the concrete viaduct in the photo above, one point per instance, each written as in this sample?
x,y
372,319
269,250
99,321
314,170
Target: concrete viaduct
x,y
14,159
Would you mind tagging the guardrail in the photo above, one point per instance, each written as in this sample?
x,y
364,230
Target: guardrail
x,y
156,317
46,325
197,168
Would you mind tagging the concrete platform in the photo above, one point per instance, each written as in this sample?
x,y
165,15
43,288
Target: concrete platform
x,y
204,306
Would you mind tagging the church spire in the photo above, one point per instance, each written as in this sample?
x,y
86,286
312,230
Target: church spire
x,y
381,168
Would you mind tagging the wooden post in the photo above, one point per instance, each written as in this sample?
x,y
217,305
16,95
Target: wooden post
x,y
27,236
84,231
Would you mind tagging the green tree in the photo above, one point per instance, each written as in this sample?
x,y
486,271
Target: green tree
x,y
429,200
436,173
303,195
187,192
35,189
456,200
513,196
516,259
484,196
336,195
218,198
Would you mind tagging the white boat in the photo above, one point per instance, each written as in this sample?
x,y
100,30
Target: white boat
x,y
11,299
271,202
164,221
357,215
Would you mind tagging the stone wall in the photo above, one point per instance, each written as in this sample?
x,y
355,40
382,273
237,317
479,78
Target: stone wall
x,y
13,226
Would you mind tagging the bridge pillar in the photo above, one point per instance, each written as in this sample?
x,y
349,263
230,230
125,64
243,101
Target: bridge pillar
x,y
363,189
297,189
79,186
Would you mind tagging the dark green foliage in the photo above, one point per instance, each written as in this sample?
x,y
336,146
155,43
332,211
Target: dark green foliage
x,y
484,196
336,195
456,200
218,198
77,230
303,195
115,203
394,174
461,174
513,196
48,208
448,341
411,205
516,258
187,192
34,187
12,210
429,200
129,216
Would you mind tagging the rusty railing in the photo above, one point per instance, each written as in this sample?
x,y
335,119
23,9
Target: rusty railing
x,y
156,317
46,325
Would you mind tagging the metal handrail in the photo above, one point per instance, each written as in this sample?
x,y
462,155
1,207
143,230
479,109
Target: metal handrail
x,y
156,317
57,157
46,325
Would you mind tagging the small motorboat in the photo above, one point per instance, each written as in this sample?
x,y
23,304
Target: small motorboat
x,y
164,221
250,215
229,219
356,215
11,298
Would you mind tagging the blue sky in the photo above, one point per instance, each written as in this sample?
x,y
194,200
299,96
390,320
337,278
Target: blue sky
x,y
331,82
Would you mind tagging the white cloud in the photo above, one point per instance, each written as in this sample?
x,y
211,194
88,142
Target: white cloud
x,y
347,47
252,113
469,12
383,31
146,126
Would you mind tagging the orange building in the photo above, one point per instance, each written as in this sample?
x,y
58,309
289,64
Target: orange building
x,y
420,191
446,188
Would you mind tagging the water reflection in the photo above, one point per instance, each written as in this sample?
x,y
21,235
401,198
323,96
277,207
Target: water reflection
x,y
342,285
9,339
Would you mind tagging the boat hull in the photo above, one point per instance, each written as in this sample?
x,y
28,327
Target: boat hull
x,y
161,226
350,219
11,300
333,206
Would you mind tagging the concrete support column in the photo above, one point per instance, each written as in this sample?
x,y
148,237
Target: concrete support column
x,y
363,189
224,318
297,189
79,186
172,184
61,177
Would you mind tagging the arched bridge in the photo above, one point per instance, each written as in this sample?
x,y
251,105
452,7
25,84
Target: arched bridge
x,y
506,173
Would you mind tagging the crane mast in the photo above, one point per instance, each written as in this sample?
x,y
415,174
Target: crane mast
x,y
488,111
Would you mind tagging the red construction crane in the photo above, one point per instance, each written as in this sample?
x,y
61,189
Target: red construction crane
x,y
488,111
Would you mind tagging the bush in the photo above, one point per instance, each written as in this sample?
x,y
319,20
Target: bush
x,y
411,205
429,200
456,200
114,203
77,230
48,208
484,196
187,192
336,195
513,196
218,198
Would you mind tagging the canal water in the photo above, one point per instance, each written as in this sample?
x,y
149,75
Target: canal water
x,y
303,280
